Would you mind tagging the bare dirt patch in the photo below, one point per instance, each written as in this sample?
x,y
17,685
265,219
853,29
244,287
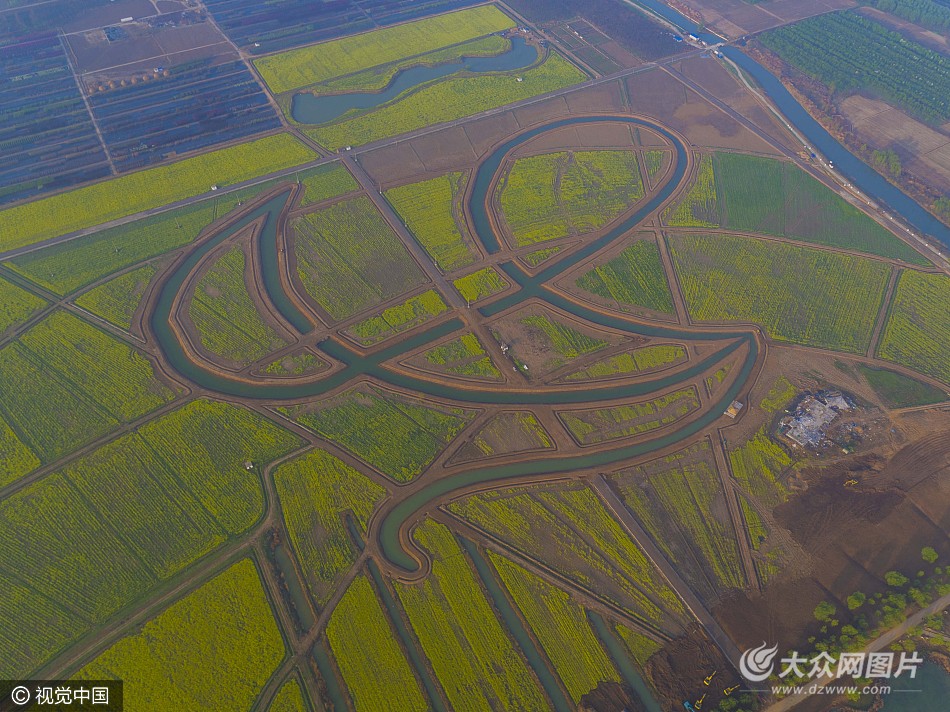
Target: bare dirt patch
x,y
533,348
734,18
850,520
486,132
393,164
923,150
598,99
605,135
445,150
678,670
658,94
146,47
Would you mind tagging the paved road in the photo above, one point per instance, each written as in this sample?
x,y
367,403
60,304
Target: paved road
x,y
879,643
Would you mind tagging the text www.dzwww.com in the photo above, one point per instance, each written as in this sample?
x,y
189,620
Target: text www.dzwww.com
x,y
786,690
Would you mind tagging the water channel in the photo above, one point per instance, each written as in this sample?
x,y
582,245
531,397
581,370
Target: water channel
x,y
858,173
308,108
357,365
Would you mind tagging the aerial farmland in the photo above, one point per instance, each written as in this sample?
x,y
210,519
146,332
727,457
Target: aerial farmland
x,y
440,356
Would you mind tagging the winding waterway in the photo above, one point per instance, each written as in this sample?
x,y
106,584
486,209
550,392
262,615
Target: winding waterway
x,y
308,108
391,522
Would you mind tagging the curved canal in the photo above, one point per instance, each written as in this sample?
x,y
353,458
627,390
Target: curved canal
x,y
357,365
308,108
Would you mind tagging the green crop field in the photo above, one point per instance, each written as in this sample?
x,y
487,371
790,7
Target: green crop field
x,y
561,627
49,418
476,662
17,458
533,259
448,100
758,532
929,14
64,383
585,512
74,264
752,192
605,423
781,392
103,369
683,507
70,560
402,317
569,530
563,339
163,523
397,435
797,294
700,205
899,391
640,647
178,487
505,433
32,628
349,258
757,465
567,193
301,67
429,209
213,649
174,490
326,182
769,559
634,277
69,266
851,53
289,698
646,358
655,161
917,330
379,77
482,283
778,198
316,490
228,322
116,300
16,305
369,657
463,356
208,443
296,363
150,188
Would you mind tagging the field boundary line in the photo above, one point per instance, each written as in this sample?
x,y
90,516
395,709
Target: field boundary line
x,y
685,593
85,101
550,575
884,311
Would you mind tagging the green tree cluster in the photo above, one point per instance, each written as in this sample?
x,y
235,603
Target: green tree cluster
x,y
926,13
888,162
